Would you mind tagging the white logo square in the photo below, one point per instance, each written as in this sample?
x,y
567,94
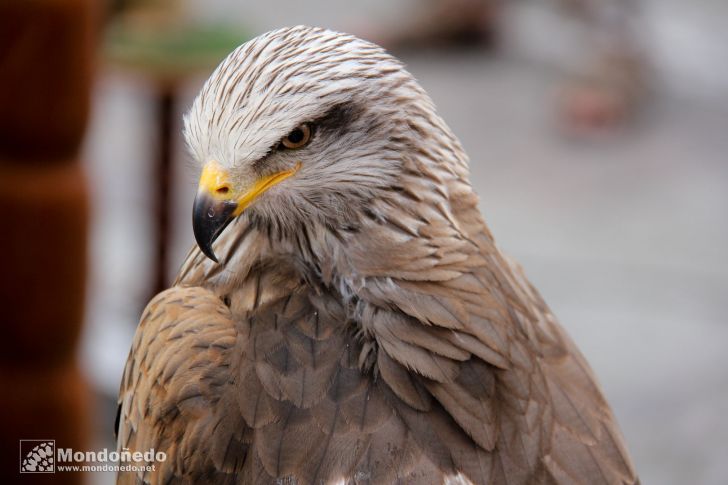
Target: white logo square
x,y
37,456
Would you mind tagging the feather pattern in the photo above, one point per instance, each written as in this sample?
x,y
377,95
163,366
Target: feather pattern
x,y
362,327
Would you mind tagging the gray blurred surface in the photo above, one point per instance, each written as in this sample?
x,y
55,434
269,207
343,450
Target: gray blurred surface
x,y
625,235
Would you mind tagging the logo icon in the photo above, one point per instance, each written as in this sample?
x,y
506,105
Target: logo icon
x,y
37,456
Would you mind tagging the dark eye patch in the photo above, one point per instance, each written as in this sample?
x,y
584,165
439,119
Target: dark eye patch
x,y
335,121
339,117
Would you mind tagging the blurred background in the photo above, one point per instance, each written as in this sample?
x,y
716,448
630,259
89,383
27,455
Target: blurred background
x,y
598,137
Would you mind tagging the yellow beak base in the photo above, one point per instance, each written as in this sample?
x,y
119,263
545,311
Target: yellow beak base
x,y
217,203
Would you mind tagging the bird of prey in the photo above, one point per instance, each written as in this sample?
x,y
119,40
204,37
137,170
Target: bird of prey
x,y
346,316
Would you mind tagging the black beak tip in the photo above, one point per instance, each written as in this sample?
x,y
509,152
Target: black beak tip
x,y
209,218
207,251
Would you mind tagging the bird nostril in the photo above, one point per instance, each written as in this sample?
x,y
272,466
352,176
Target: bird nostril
x,y
223,190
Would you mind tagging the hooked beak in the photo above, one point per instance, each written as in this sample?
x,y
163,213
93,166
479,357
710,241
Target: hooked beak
x,y
217,202
209,218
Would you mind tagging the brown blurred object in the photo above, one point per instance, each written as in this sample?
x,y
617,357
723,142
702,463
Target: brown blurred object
x,y
46,51
46,61
604,96
46,403
45,218
446,24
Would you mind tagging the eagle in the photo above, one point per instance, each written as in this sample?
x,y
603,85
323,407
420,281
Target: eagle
x,y
346,315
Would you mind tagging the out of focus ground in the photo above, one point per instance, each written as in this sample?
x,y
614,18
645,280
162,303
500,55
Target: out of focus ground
x,y
624,234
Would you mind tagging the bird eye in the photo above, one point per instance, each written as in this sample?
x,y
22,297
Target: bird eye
x,y
298,138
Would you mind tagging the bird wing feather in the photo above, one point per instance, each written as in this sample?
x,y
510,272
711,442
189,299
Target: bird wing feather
x,y
468,376
502,373
172,397
278,394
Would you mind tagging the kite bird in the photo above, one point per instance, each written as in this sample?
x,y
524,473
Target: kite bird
x,y
346,316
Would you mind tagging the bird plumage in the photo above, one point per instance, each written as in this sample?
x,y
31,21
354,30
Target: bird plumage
x,y
362,325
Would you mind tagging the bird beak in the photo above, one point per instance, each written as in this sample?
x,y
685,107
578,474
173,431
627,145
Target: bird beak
x,y
218,202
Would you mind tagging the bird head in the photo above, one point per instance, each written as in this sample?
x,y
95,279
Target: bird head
x,y
302,126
